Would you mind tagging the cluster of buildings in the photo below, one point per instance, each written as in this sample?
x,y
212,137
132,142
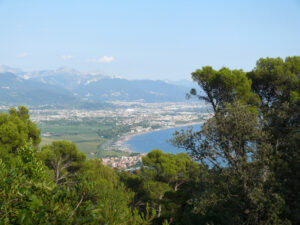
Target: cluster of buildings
x,y
128,113
124,162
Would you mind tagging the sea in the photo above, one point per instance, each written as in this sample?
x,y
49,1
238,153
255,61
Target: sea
x,y
144,143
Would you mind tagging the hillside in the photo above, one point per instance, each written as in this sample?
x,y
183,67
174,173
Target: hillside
x,y
15,90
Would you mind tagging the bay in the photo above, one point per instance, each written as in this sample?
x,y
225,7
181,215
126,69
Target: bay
x,y
144,143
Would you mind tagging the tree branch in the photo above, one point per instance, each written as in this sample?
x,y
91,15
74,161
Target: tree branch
x,y
78,204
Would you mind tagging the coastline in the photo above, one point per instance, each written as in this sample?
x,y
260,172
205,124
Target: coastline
x,y
122,142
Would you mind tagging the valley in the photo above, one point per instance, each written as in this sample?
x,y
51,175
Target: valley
x,y
102,133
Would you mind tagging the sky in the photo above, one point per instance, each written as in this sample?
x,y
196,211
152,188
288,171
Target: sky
x,y
146,39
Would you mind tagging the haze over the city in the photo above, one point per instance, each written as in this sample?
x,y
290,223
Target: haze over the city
x,y
146,39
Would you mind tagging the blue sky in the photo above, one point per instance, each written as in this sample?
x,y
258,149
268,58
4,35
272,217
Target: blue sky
x,y
146,39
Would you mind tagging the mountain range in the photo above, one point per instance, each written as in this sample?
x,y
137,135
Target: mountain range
x,y
70,87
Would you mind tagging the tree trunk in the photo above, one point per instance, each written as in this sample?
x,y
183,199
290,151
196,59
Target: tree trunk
x,y
159,207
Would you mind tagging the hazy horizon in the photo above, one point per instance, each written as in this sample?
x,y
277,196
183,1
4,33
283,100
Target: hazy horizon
x,y
6,68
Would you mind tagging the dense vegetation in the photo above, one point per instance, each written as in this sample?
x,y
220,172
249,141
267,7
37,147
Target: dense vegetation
x,y
242,168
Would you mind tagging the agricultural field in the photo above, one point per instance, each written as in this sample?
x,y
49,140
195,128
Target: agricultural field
x,y
84,135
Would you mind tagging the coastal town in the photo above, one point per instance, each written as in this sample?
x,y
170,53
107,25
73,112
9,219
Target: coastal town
x,y
124,162
103,133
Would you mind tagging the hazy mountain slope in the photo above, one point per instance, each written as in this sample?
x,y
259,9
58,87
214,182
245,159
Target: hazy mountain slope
x,y
64,77
15,90
109,89
66,86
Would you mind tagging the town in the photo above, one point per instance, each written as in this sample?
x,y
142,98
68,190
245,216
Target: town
x,y
124,162
104,133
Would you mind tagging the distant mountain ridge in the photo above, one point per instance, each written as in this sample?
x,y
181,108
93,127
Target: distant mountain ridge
x,y
67,86
64,77
19,91
131,90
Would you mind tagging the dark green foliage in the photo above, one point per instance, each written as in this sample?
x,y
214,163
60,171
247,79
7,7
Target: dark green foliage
x,y
57,185
25,194
277,83
64,159
164,182
16,129
221,86
251,144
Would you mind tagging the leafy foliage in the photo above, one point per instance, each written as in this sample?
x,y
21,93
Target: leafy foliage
x,y
16,129
57,185
65,160
221,86
251,144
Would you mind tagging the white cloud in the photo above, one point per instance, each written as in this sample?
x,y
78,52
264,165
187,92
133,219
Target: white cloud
x,y
66,57
22,55
104,59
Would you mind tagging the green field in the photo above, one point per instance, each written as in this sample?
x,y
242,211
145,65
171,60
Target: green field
x,y
83,134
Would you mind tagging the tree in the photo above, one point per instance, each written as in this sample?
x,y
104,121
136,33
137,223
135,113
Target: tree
x,y
64,159
252,141
227,139
161,181
16,129
236,148
222,86
99,185
174,170
276,81
26,196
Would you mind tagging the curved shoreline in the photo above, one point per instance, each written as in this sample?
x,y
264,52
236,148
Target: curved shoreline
x,y
122,142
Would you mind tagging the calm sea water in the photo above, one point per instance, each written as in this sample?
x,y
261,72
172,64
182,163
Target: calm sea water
x,y
157,140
